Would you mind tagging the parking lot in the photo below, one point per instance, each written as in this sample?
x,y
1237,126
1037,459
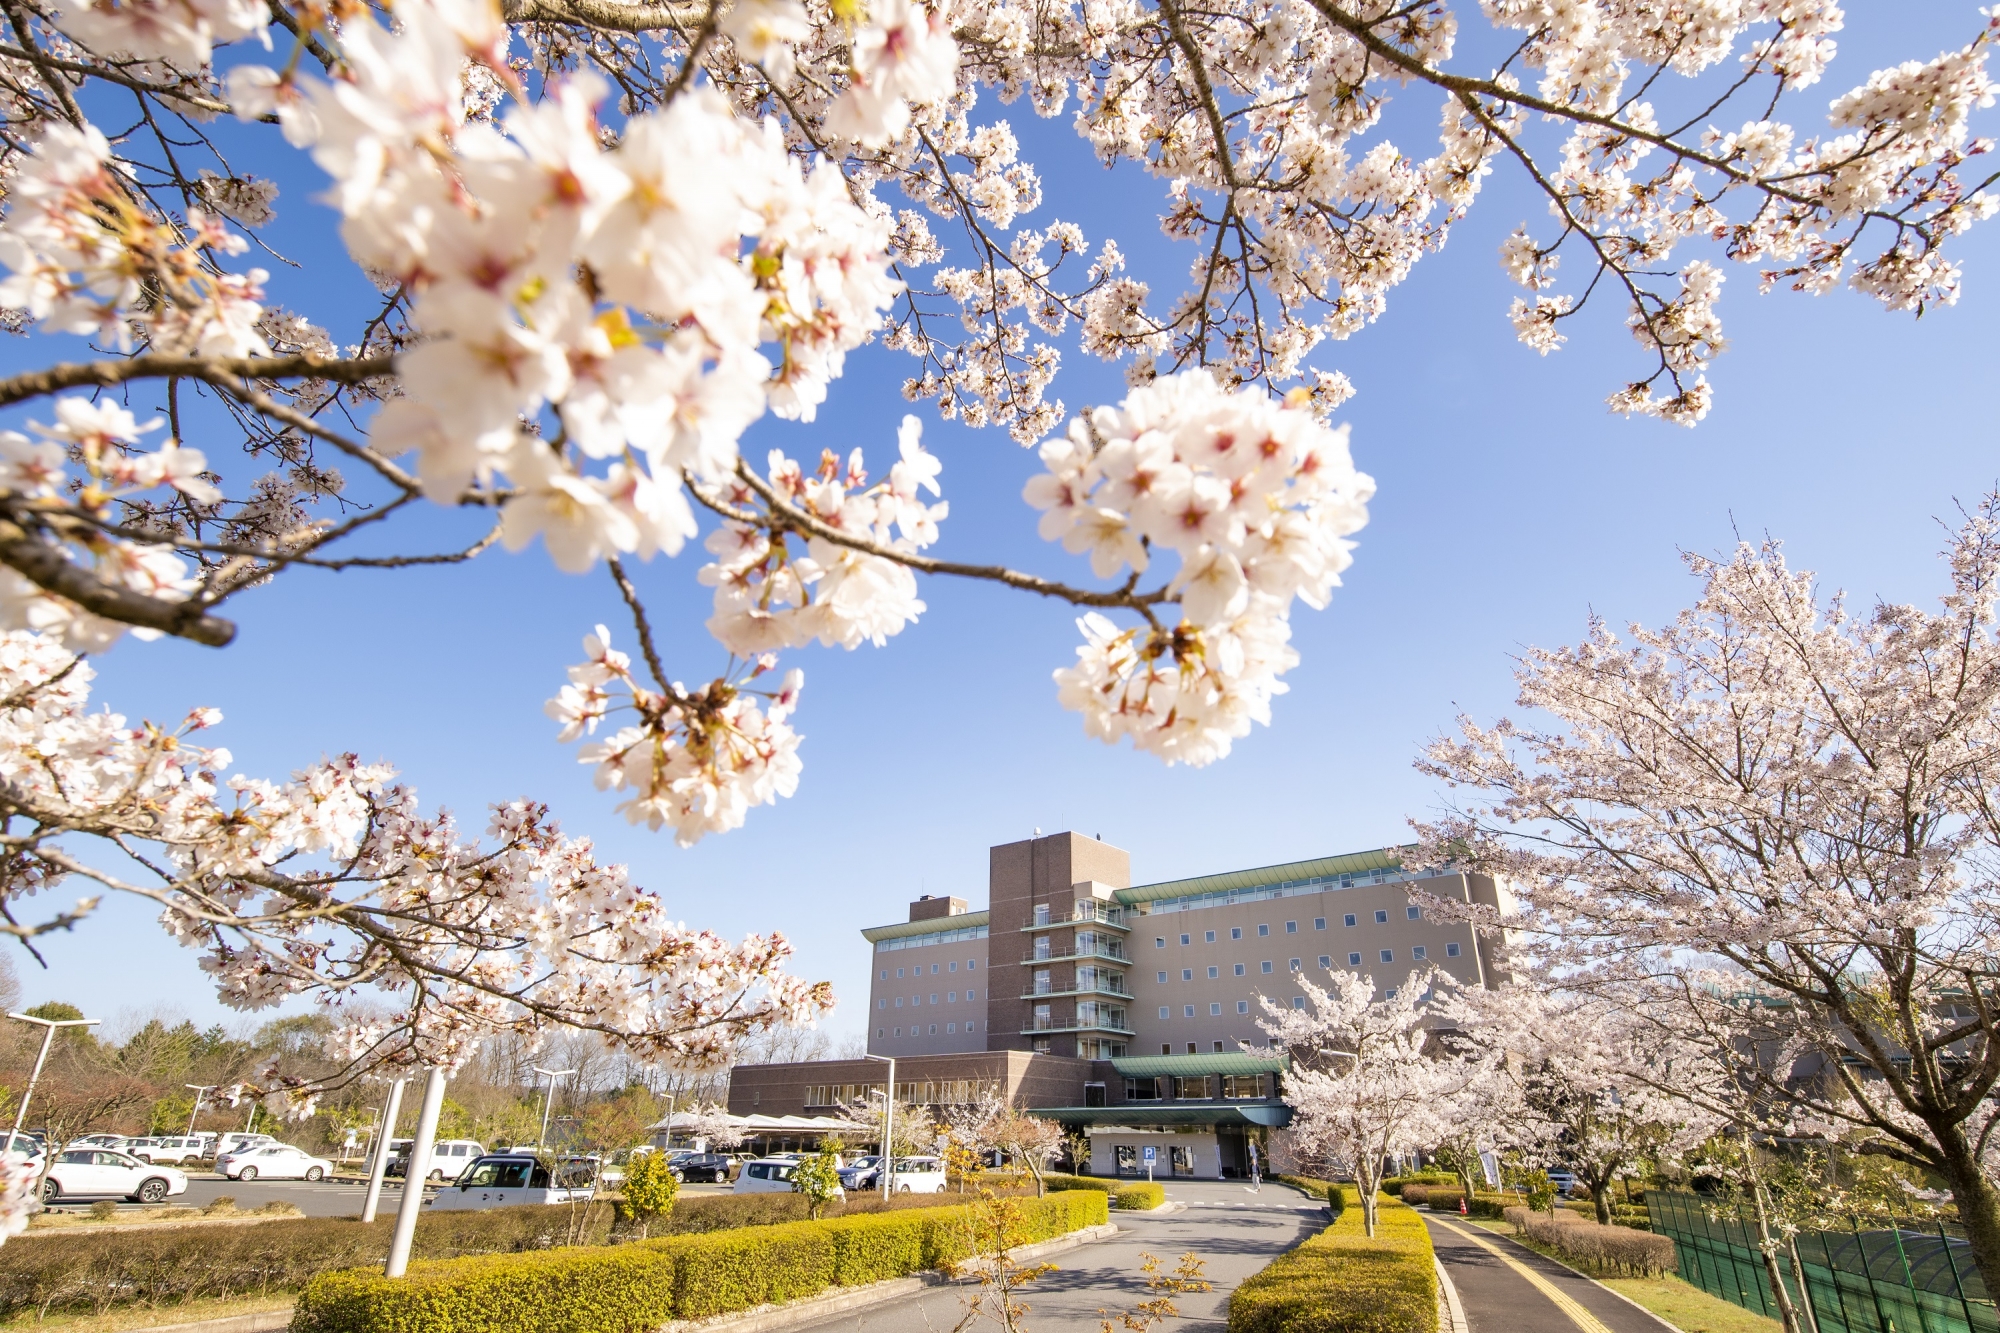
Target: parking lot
x,y
340,1197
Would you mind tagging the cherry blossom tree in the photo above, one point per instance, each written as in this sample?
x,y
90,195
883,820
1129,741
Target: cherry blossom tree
x,y
1801,794
1371,1076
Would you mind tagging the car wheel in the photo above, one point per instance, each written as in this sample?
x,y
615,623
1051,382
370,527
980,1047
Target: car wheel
x,y
153,1191
436,1177
247,1174
50,1190
902,1189
314,1173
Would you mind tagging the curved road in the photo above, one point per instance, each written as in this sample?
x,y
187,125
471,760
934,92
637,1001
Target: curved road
x,y
1507,1288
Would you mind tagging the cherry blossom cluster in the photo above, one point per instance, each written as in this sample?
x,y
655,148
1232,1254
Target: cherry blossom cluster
x,y
1255,497
18,1182
464,938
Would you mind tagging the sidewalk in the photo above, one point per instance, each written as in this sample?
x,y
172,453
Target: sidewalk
x,y
1506,1288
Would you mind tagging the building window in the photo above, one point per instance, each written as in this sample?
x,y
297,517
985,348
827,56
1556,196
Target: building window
x,y
1326,961
1297,965
1347,920
933,997
1417,954
1163,981
1291,927
1263,930
881,1032
1388,955
951,996
899,1032
1184,939
1166,1011
1244,1087
1319,923
1191,1047
1159,941
1191,1088
1389,994
1265,967
951,967
899,1002
1381,918
1414,913
1236,932
1143,1089
970,1026
1215,1011
972,995
1451,950
1209,937
885,974
1166,1048
1243,1006
1298,1002
1214,972
1218,1047
1187,1011
934,969
933,1030
1187,974
1354,960
899,974
972,964
881,1004
1239,969
951,1027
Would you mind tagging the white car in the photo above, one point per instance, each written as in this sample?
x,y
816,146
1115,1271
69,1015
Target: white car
x,y
274,1161
772,1175
115,1142
30,1149
918,1175
449,1158
170,1149
240,1142
99,1172
506,1180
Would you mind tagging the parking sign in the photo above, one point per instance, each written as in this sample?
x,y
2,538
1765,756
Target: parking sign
x,y
1152,1154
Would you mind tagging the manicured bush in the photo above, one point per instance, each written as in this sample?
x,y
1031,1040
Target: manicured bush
x,y
1334,1193
1342,1281
626,1288
1601,1248
1393,1186
1139,1195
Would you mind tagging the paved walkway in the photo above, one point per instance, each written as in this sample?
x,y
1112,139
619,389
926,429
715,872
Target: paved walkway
x,y
1507,1288
1234,1231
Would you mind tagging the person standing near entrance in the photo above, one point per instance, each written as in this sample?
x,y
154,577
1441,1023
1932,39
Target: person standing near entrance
x,y
1256,1182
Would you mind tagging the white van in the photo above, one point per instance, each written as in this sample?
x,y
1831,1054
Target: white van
x,y
773,1175
918,1175
506,1180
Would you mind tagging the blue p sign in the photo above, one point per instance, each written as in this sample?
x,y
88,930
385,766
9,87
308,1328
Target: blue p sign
x,y
1152,1155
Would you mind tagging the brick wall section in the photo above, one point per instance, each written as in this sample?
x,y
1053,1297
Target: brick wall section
x,y
1024,1079
1021,876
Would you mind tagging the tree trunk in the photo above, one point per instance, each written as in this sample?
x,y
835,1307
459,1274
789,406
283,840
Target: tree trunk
x,y
1600,1195
1767,1246
1978,1202
1369,1179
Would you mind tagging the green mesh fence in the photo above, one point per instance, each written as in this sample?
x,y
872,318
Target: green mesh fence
x,y
1910,1278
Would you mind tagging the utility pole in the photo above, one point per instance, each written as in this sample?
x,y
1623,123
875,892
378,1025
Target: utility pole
x,y
379,1164
413,1179
888,1122
49,1026
548,1102
200,1090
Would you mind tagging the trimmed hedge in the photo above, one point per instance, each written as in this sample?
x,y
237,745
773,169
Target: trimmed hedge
x,y
626,1288
1342,1281
1440,1199
1130,1195
1598,1248
1335,1194
1393,1185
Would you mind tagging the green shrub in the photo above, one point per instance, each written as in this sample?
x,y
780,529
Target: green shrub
x,y
1393,1186
1139,1195
1342,1281
1056,1182
621,1289
1334,1194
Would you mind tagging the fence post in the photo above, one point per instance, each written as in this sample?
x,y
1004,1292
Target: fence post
x,y
1957,1282
1882,1321
1909,1278
1833,1274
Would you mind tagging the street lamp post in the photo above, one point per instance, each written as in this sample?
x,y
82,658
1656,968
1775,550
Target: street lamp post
x,y
888,1122
199,1090
49,1026
548,1102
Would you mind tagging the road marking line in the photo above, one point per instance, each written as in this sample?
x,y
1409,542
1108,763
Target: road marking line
x,y
1579,1316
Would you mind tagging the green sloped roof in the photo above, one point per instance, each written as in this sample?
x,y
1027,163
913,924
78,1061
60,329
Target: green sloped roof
x,y
963,921
1382,858
1193,1066
1148,1114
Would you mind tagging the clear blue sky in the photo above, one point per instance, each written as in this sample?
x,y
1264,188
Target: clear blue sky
x,y
1511,505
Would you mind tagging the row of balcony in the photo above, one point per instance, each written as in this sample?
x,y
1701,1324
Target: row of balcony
x,y
1082,948
1085,1024
1100,987
1090,912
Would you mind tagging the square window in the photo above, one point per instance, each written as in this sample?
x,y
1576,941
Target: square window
x,y
899,1002
1239,969
1163,981
1297,965
971,995
899,1032
1218,1047
1326,960
951,1027
1417,954
1184,939
1414,913
1347,920
885,974
899,974
1381,918
1265,967
933,997
1263,930
1159,941
1166,1048
951,997
1166,1011
1291,927
1389,994
1243,1006
1215,1011
1388,955
951,967
881,1004
1236,932
1191,1047
1319,923
1187,1011
1214,972
1354,960
1451,951
933,969
972,964
1208,937
933,1031
1298,1002
1187,974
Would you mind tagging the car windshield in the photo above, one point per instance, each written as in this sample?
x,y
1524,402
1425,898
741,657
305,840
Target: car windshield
x,y
503,1175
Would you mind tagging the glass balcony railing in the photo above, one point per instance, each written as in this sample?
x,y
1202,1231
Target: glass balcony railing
x,y
1083,986
1082,948
1084,1023
1091,913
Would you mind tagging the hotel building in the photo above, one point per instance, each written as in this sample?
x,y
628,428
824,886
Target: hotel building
x,y
1124,1009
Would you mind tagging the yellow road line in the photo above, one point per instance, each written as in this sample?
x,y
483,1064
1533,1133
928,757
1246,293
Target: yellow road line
x,y
1579,1316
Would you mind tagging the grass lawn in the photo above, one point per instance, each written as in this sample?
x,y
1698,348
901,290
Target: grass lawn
x,y
122,1321
1682,1304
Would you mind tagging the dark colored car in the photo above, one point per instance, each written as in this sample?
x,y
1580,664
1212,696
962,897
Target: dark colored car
x,y
863,1174
709,1166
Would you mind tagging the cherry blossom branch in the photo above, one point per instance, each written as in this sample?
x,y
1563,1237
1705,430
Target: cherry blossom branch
x,y
223,372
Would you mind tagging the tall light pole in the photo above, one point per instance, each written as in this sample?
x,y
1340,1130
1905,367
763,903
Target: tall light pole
x,y
548,1102
378,1163
49,1026
200,1090
888,1122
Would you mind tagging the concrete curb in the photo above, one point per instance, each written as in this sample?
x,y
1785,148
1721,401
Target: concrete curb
x,y
1451,1314
771,1317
